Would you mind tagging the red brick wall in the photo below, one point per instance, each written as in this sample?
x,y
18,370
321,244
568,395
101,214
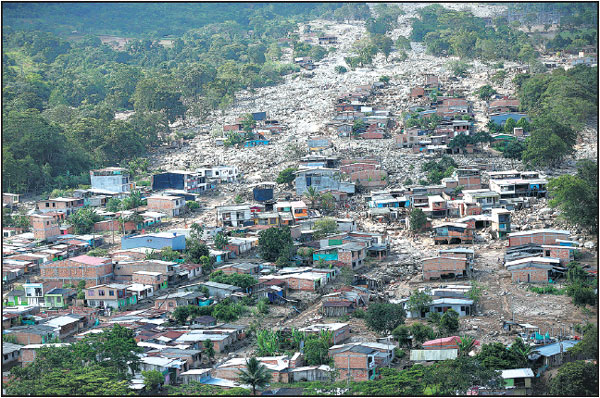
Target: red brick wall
x,y
357,365
435,267
345,257
541,238
113,225
536,275
301,284
563,254
147,279
470,182
351,168
27,356
69,270
28,338
362,177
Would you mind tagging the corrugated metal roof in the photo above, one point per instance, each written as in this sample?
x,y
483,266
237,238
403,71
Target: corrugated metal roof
x,y
517,373
433,355
553,349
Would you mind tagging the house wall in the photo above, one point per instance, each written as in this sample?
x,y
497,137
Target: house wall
x,y
154,280
73,271
470,182
359,166
44,227
114,183
541,238
301,284
155,242
435,267
171,207
357,364
127,269
114,225
536,275
26,338
565,255
370,178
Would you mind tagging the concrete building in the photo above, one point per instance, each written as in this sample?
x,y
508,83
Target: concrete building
x,y
113,179
158,241
485,197
187,181
321,179
114,295
234,215
501,222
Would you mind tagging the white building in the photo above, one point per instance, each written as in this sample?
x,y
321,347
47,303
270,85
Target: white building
x,y
113,179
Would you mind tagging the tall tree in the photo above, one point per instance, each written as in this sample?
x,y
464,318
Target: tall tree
x,y
255,374
576,196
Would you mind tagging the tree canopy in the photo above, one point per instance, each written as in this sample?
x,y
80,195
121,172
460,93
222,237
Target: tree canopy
x,y
96,365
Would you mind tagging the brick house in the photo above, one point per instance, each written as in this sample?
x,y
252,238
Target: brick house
x,y
445,266
278,367
450,233
61,205
156,279
309,281
32,334
532,269
539,236
564,253
124,270
370,178
93,270
417,92
10,199
44,227
340,331
171,301
170,205
240,268
360,361
349,254
67,325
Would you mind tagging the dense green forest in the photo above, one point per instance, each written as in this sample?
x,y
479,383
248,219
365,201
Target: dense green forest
x,y
154,20
60,92
460,33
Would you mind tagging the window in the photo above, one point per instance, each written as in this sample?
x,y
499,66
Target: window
x,y
47,204
100,292
90,292
171,304
111,292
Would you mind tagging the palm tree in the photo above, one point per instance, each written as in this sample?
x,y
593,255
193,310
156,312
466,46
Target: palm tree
x,y
466,345
313,195
255,374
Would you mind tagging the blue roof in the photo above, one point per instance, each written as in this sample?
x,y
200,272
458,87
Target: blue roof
x,y
554,349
